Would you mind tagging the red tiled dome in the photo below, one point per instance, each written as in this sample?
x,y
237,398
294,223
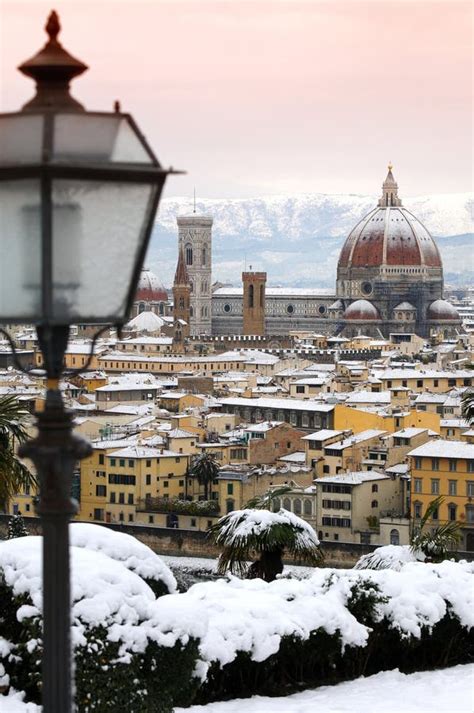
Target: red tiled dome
x,y
389,235
441,310
363,310
150,288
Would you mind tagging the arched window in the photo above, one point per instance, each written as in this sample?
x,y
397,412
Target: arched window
x,y
276,504
191,311
191,287
204,256
261,295
394,537
250,296
141,307
375,488
375,503
161,308
286,504
307,507
188,250
181,303
297,506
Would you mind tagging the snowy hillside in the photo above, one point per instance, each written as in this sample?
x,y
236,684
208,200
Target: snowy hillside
x,y
297,239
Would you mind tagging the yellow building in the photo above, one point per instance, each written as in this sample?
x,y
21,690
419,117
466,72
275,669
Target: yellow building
x,y
445,468
120,476
358,419
226,453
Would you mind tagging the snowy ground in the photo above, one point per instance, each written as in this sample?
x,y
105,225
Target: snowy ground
x,y
440,691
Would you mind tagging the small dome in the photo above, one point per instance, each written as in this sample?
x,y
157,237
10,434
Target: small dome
x,y
441,310
146,322
150,288
404,306
361,309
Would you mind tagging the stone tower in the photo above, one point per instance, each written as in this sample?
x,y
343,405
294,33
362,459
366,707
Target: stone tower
x,y
254,302
195,240
181,299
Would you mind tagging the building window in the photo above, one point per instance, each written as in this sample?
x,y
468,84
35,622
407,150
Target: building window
x,y
470,514
230,488
130,499
394,537
375,488
131,463
470,488
297,506
101,459
251,296
112,497
434,486
148,479
130,517
100,491
112,461
453,465
151,519
227,308
307,507
290,309
165,484
121,516
417,485
122,463
286,504
188,251
98,514
300,389
452,512
435,464
418,463
204,257
470,466
148,463
375,503
193,522
435,515
229,506
417,510
122,498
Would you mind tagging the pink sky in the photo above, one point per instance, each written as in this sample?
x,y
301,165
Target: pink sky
x,y
265,96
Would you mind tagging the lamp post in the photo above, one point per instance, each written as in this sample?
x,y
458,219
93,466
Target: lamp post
x,y
78,195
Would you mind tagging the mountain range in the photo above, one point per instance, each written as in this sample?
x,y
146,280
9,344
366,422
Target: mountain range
x,y
297,238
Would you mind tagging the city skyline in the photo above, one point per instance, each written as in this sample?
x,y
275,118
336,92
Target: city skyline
x,y
269,97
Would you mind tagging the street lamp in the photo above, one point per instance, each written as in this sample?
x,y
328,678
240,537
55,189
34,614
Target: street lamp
x,y
78,195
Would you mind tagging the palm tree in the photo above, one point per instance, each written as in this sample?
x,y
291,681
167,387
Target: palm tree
x,y
205,468
436,544
14,475
468,406
257,529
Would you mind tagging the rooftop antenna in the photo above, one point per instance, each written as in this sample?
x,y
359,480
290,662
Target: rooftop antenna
x,y
194,202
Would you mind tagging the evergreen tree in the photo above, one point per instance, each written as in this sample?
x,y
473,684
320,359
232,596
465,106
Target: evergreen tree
x,y
16,527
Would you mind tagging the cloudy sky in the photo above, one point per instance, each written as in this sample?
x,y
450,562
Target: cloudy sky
x,y
257,97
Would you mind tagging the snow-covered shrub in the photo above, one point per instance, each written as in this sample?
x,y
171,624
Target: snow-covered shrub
x,y
124,548
389,557
125,656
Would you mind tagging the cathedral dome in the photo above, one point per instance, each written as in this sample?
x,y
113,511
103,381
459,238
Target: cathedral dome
x,y
363,310
389,235
441,310
150,288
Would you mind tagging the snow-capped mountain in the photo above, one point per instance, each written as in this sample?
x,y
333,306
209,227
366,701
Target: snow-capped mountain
x,y
297,239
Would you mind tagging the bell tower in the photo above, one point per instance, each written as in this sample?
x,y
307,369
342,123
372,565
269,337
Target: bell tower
x,y
181,300
195,239
254,302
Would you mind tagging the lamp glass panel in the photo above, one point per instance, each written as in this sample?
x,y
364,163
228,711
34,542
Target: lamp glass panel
x,y
21,139
20,250
104,139
98,230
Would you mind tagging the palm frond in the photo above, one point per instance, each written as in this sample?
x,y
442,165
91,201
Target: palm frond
x,y
265,501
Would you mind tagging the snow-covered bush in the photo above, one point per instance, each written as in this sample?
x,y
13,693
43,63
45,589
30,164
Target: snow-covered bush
x,y
16,527
125,657
389,557
124,548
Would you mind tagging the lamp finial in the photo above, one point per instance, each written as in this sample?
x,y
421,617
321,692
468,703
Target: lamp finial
x,y
53,26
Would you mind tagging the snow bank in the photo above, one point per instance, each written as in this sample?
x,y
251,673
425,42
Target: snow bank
x,y
124,548
449,689
14,703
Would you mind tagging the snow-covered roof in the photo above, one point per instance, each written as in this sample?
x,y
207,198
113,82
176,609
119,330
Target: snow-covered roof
x,y
296,457
373,397
356,478
263,427
409,432
143,452
356,438
321,435
180,433
284,404
441,448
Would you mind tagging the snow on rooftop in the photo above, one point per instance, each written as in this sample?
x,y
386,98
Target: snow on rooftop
x,y
409,432
364,397
440,448
138,451
296,457
356,478
356,438
263,426
322,435
284,404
